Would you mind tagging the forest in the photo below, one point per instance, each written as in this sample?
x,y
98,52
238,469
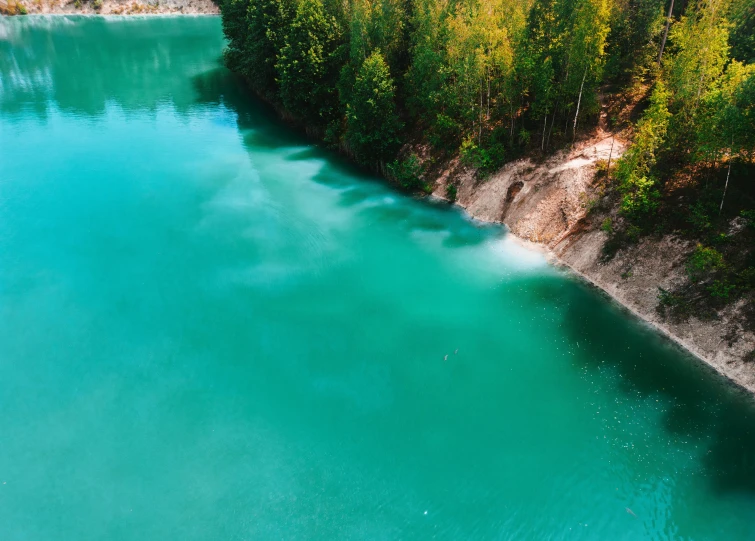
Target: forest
x,y
492,80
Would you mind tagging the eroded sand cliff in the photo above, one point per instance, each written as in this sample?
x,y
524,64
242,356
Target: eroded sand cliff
x,y
549,203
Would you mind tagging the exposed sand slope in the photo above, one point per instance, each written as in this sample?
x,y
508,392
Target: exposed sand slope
x,y
548,203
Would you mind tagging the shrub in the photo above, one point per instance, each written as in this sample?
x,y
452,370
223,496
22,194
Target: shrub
x,y
640,195
699,216
524,137
749,216
721,289
470,154
97,5
451,192
601,168
704,261
746,278
407,173
720,238
444,134
672,304
633,233
485,160
607,225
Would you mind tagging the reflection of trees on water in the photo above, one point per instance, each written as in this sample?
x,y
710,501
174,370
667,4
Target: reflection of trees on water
x,y
80,64
262,130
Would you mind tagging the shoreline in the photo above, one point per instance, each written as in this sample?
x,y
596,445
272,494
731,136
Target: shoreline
x,y
552,258
110,8
678,342
560,185
113,15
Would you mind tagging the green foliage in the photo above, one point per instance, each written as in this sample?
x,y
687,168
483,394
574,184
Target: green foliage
x,y
712,97
742,36
746,278
638,187
749,216
700,216
379,25
372,123
725,119
704,261
267,27
607,225
641,196
701,42
485,160
445,132
721,289
407,173
451,192
633,41
720,239
308,66
233,17
674,304
666,298
601,168
97,5
633,233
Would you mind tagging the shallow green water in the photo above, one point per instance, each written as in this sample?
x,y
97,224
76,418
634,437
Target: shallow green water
x,y
211,329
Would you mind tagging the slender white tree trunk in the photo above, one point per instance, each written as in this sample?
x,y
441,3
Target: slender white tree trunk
x,y
479,136
545,126
553,122
665,32
731,159
610,154
579,101
488,111
511,133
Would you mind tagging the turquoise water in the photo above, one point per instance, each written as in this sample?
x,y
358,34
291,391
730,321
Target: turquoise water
x,y
212,329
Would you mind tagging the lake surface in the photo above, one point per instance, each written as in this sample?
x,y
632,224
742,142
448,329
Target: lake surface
x,y
212,329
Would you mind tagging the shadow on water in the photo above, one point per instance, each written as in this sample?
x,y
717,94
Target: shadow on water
x,y
261,128
701,405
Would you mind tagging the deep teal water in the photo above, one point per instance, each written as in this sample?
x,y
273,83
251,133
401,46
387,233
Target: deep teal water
x,y
212,329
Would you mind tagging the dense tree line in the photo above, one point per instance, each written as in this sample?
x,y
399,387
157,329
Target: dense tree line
x,y
491,78
482,76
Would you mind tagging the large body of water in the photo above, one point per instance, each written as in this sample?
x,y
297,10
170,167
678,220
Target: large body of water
x,y
212,329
